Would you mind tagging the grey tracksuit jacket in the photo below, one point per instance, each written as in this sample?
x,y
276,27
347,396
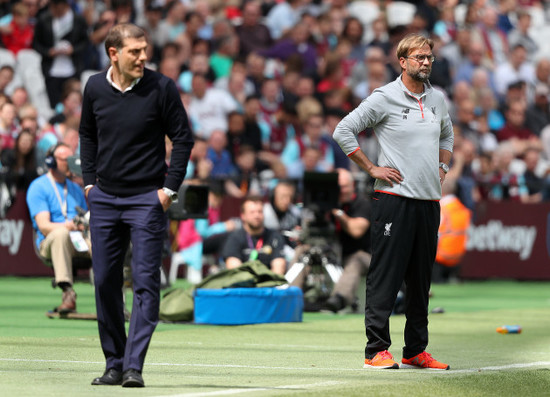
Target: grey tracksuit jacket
x,y
410,128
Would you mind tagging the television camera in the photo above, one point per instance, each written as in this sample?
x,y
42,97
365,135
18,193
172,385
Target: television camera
x,y
321,259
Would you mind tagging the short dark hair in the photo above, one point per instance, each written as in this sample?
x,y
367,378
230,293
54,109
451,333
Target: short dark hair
x,y
251,199
117,34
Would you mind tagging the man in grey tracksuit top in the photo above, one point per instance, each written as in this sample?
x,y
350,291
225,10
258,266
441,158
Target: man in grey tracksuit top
x,y
414,130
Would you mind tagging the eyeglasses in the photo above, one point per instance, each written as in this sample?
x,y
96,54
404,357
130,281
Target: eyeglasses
x,y
422,57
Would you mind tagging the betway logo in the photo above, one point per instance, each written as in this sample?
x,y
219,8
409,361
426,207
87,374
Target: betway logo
x,y
494,236
11,231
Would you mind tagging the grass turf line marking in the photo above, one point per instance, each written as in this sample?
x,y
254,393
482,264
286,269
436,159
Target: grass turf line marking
x,y
452,371
254,389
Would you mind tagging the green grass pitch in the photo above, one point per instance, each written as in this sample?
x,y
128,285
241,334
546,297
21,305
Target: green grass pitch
x,y
321,356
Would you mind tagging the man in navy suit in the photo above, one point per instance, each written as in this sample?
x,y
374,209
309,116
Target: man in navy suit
x,y
126,113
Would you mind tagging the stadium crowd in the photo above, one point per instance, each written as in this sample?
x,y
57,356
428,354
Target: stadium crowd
x,y
265,82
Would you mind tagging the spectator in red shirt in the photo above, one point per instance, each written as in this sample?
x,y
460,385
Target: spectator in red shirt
x,y
515,131
19,33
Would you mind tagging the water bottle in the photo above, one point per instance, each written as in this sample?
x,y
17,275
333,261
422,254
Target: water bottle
x,y
509,329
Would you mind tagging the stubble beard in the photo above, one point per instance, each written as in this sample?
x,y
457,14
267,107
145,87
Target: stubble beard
x,y
255,228
421,76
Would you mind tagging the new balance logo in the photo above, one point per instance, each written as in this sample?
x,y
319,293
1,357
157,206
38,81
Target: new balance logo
x,y
387,232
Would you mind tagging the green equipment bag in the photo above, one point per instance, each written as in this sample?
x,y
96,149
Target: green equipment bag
x,y
178,305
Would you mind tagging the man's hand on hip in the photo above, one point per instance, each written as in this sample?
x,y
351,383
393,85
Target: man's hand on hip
x,y
164,199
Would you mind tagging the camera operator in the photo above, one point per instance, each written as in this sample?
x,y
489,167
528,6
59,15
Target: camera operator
x,y
52,200
280,213
352,229
254,241
351,234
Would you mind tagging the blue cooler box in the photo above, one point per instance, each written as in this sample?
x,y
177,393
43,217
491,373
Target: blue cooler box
x,y
236,306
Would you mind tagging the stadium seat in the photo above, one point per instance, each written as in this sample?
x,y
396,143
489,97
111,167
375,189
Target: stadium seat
x,y
79,262
400,13
85,75
30,71
460,13
367,11
7,58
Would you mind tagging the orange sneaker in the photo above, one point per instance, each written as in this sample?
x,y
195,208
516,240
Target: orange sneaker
x,y
423,360
382,360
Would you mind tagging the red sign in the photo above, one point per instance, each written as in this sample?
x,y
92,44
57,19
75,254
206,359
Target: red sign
x,y
509,240
506,240
17,255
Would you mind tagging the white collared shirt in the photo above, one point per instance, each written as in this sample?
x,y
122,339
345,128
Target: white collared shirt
x,y
111,81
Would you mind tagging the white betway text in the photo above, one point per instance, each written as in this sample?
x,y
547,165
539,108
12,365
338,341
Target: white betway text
x,y
11,232
494,236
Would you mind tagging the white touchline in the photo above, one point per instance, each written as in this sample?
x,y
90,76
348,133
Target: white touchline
x,y
242,390
312,368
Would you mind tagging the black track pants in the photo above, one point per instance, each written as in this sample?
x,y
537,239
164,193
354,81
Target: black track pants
x,y
404,243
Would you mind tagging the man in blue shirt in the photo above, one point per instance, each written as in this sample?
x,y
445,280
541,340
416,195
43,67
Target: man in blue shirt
x,y
52,200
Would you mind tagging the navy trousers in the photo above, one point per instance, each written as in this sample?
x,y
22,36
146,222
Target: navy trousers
x,y
114,222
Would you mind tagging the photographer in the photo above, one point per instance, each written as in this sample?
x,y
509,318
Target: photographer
x,y
351,235
352,229
280,213
52,200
